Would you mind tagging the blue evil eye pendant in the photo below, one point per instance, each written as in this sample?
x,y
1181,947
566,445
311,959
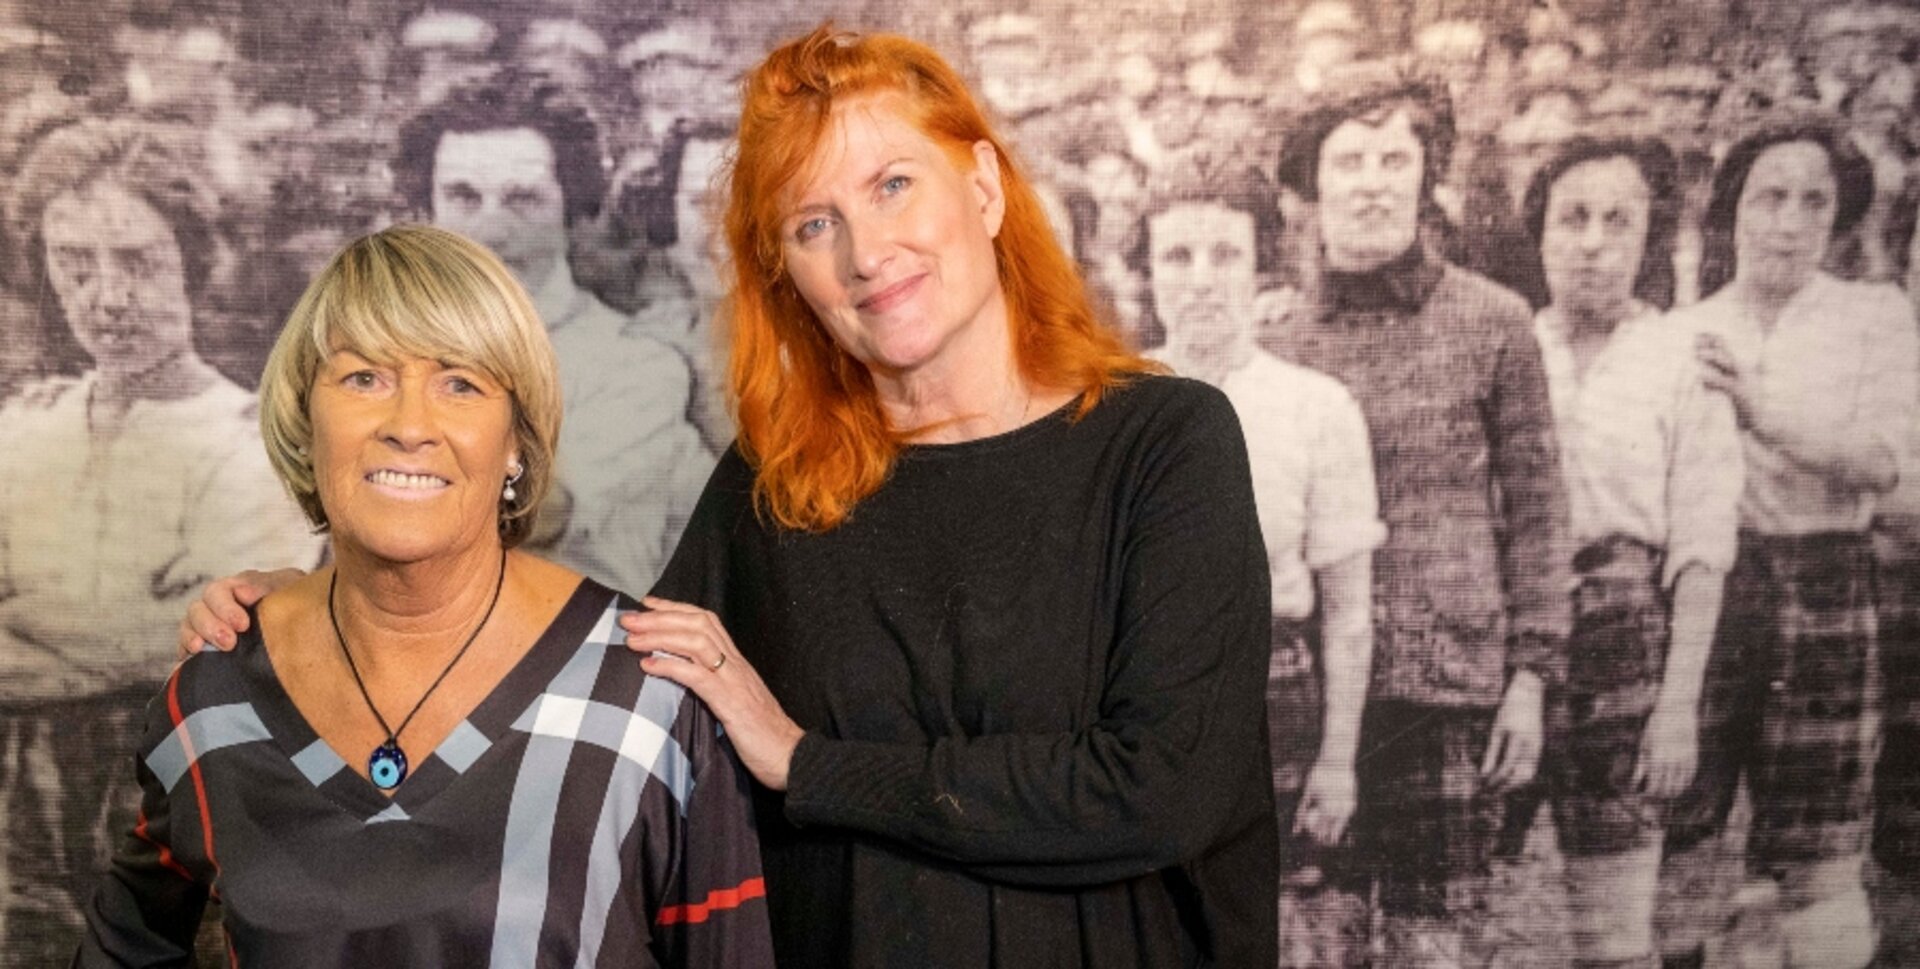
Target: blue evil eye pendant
x,y
387,765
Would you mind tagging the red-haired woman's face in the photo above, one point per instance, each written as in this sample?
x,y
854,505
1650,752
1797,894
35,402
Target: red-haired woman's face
x,y
891,244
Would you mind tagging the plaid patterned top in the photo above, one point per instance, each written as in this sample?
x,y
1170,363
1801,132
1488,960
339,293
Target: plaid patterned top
x,y
584,814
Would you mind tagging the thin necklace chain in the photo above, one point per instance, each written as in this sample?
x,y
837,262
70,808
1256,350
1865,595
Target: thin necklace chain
x,y
393,736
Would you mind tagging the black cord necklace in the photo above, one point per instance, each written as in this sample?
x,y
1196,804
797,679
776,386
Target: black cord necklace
x,y
387,765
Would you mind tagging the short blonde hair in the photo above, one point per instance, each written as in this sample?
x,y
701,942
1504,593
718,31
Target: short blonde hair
x,y
416,291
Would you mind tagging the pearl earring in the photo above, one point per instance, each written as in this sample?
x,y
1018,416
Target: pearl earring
x,y
507,494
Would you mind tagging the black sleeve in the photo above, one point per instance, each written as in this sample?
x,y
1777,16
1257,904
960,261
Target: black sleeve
x,y
697,572
1166,770
147,907
713,912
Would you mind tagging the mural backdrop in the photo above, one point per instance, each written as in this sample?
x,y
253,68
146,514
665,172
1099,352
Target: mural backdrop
x,y
172,171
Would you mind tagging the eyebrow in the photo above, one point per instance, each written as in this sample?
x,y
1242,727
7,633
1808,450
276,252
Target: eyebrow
x,y
881,172
870,181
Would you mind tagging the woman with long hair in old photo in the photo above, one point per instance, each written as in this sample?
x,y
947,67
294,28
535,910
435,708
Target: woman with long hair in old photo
x,y
435,750
979,598
1652,463
1822,375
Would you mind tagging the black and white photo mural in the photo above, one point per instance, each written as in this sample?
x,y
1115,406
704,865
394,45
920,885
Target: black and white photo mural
x,y
1573,341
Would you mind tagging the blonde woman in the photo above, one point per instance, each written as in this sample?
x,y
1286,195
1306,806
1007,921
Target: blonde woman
x,y
433,751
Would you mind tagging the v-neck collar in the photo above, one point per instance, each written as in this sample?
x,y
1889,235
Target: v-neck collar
x,y
471,742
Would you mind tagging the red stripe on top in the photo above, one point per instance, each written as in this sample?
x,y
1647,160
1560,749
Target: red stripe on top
x,y
718,900
167,860
193,767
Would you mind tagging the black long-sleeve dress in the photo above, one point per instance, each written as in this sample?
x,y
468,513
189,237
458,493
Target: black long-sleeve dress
x,y
1031,668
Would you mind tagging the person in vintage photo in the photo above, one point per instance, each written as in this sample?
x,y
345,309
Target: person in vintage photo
x,y
429,753
1896,532
1471,584
439,51
681,71
1653,471
131,486
1822,377
513,165
668,219
1211,230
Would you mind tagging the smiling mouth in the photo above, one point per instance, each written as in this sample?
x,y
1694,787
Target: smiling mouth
x,y
892,296
407,482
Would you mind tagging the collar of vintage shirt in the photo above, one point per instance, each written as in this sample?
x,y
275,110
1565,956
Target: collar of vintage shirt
x,y
1399,286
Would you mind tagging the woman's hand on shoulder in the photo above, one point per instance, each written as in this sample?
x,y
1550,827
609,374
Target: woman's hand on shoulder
x,y
688,645
216,619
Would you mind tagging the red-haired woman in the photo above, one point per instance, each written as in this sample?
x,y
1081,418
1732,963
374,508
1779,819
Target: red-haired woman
x,y
997,597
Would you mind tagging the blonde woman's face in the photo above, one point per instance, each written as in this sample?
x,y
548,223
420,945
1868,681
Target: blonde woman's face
x,y
410,457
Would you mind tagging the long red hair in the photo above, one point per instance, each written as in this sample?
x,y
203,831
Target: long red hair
x,y
809,418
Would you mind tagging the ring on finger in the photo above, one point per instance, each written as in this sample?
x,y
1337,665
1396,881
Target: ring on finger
x,y
722,661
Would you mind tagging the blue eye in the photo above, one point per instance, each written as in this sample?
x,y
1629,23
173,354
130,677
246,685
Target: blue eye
x,y
810,229
896,184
